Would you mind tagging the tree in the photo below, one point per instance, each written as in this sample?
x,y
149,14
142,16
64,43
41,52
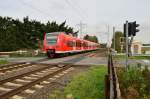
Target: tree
x,y
91,38
15,34
86,37
103,45
118,36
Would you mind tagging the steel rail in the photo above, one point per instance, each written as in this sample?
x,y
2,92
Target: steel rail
x,y
24,74
14,67
10,65
30,84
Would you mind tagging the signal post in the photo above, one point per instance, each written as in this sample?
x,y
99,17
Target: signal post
x,y
129,31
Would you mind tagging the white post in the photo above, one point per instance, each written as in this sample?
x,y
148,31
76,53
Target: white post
x,y
114,36
108,36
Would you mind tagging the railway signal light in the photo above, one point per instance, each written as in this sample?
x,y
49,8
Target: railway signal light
x,y
129,29
132,29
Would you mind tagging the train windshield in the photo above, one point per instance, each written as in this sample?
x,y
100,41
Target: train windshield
x,y
51,38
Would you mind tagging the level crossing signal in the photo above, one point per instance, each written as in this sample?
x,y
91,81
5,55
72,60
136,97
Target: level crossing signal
x,y
132,29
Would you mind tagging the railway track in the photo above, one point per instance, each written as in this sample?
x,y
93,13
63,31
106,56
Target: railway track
x,y
15,66
23,84
11,67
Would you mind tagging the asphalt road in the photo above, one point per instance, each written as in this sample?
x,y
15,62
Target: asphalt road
x,y
22,59
133,62
82,60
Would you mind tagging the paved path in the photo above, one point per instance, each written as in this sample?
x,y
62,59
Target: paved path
x,y
133,62
22,59
83,60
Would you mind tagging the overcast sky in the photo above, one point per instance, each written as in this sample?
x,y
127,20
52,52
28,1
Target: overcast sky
x,y
96,14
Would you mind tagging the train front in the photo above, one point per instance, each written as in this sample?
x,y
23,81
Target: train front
x,y
49,43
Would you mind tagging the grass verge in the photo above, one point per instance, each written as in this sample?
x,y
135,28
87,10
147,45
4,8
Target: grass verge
x,y
134,83
86,85
140,57
132,57
3,62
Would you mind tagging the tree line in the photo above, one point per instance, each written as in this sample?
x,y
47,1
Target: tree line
x,y
91,38
119,45
16,34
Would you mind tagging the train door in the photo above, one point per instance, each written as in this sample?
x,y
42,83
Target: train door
x,y
74,45
82,45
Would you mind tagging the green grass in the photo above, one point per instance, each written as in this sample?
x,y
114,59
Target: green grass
x,y
86,85
132,57
140,57
145,48
3,62
119,56
134,83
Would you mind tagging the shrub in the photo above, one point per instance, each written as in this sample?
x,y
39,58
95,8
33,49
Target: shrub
x,y
135,82
131,78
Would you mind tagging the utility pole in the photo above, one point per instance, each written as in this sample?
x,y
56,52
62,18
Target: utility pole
x,y
81,26
108,36
126,45
114,36
108,51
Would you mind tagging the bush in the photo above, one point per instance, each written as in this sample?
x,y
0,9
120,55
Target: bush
x,y
135,82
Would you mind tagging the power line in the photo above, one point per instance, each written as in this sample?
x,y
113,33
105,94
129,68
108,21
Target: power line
x,y
103,36
81,26
34,8
79,9
74,8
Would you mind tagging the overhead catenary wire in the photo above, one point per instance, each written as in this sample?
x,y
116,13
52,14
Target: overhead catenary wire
x,y
80,9
35,8
81,26
49,15
74,8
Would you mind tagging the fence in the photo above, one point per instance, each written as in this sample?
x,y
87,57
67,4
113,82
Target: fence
x,y
112,90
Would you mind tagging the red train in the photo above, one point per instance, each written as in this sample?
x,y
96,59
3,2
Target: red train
x,y
60,43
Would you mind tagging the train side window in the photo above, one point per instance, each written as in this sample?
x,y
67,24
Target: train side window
x,y
70,44
84,44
